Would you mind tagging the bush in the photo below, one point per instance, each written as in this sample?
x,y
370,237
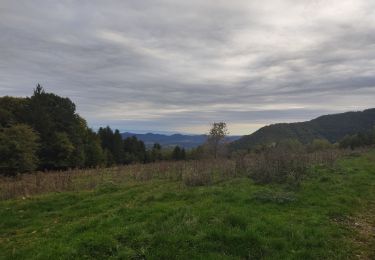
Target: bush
x,y
196,175
319,145
280,166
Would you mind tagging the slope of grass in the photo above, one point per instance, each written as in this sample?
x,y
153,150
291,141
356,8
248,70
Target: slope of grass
x,y
233,219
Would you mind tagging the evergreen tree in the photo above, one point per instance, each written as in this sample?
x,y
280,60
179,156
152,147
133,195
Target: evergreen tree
x,y
156,154
134,150
182,154
113,143
55,119
94,154
118,147
178,153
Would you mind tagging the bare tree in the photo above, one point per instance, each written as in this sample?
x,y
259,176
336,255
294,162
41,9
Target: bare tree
x,y
216,136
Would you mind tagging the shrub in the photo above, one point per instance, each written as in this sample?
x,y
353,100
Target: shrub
x,y
278,165
196,175
319,145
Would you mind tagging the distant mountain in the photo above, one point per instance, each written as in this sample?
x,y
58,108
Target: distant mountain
x,y
186,141
331,127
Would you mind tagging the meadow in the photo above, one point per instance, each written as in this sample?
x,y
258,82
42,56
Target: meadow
x,y
214,209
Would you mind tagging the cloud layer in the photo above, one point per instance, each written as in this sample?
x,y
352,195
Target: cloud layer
x,y
178,65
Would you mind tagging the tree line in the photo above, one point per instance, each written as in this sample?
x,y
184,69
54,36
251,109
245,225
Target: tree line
x,y
357,140
44,132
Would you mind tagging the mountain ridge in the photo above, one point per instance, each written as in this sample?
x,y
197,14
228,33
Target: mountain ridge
x,y
182,140
331,127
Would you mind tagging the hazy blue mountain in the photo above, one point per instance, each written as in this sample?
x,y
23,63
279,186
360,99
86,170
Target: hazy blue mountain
x,y
186,141
331,127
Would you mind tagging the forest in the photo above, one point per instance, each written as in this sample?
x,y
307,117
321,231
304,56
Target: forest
x,y
44,132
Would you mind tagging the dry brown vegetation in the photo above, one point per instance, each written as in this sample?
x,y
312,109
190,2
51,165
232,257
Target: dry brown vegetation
x,y
270,166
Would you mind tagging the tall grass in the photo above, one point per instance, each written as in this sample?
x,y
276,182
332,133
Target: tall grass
x,y
271,166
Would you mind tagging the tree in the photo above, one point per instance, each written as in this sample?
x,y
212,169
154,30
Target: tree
x,y
320,145
12,110
18,149
94,154
61,151
216,136
196,153
289,144
182,154
113,143
118,147
156,154
55,120
178,153
134,150
106,137
358,140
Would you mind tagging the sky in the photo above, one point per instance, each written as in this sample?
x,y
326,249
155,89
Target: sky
x,y
177,66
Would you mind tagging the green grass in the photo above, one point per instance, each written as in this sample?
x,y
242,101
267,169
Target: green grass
x,y
234,219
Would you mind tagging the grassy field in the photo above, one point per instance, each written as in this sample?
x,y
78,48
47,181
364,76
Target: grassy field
x,y
331,215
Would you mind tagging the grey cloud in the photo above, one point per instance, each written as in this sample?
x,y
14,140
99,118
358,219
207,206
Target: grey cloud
x,y
172,65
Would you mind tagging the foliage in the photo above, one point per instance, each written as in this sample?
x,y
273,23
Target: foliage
x,y
118,147
63,141
358,140
156,153
112,142
134,150
94,154
279,165
330,127
60,151
319,145
11,110
196,153
18,148
216,137
55,119
178,153
290,145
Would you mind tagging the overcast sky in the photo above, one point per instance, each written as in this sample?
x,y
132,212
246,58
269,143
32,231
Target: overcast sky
x,y
171,65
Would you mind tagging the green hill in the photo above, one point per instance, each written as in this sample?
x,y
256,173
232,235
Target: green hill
x,y
331,127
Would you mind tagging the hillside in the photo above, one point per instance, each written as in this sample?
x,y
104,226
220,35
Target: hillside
x,y
331,127
329,217
186,141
